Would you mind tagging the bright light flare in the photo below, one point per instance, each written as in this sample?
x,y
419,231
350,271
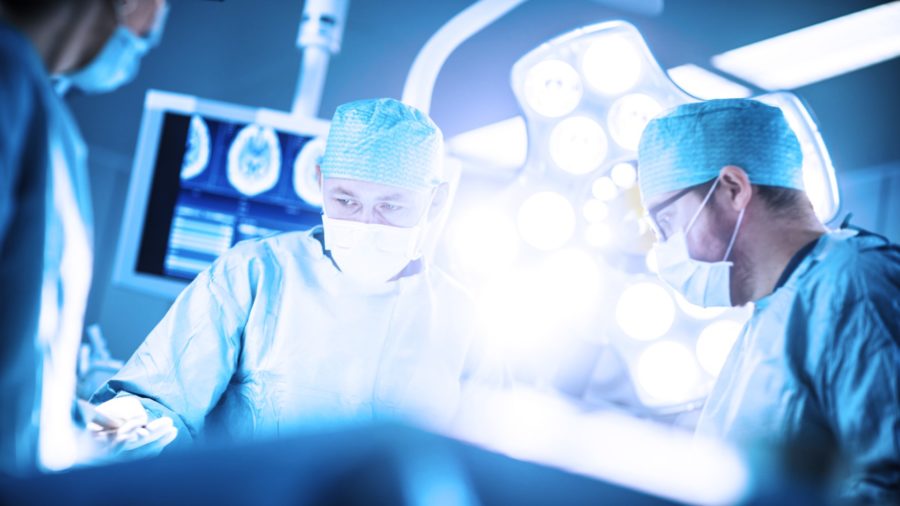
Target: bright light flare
x,y
667,371
546,220
645,311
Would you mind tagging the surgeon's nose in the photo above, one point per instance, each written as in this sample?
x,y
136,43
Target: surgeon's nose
x,y
368,216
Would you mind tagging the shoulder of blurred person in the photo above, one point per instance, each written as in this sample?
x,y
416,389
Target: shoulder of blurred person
x,y
23,81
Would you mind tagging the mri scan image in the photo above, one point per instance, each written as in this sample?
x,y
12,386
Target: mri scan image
x,y
306,181
196,155
254,160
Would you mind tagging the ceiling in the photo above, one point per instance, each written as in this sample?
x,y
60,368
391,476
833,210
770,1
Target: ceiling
x,y
243,51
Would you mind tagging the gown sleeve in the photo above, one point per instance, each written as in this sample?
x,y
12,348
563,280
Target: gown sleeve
x,y
185,364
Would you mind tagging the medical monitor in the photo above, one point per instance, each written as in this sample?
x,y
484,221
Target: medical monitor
x,y
206,176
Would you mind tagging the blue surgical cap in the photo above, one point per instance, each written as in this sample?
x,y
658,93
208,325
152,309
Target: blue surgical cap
x,y
689,145
384,141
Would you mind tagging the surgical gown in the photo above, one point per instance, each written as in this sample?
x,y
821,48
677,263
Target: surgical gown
x,y
273,338
819,363
45,261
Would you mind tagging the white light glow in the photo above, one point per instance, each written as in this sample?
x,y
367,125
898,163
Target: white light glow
x,y
667,371
628,117
546,220
714,344
624,175
484,240
578,145
818,52
612,64
706,85
605,189
595,211
552,88
570,281
510,313
645,311
598,235
524,310
604,444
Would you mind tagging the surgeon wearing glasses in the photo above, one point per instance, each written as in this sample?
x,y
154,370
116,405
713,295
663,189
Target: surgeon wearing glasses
x,y
816,370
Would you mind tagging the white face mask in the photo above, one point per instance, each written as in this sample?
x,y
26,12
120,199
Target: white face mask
x,y
706,284
118,62
370,253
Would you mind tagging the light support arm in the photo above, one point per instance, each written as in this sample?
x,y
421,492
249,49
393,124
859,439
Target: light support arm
x,y
424,71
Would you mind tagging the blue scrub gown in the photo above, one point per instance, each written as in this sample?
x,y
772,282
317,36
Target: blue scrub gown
x,y
819,364
273,338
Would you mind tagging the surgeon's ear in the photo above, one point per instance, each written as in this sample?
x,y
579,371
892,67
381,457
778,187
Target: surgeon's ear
x,y
439,201
735,187
319,176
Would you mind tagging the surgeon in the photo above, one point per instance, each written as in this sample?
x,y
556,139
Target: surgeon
x,y
341,324
46,247
817,367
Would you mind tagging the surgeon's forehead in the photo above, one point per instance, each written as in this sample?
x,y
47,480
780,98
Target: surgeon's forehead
x,y
369,190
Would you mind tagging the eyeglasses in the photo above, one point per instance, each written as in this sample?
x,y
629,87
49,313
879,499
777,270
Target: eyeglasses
x,y
653,212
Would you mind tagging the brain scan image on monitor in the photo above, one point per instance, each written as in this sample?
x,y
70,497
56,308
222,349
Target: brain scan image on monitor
x,y
254,160
196,155
306,180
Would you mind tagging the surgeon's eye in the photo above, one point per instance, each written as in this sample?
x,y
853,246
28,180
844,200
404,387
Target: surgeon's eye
x,y
388,206
345,202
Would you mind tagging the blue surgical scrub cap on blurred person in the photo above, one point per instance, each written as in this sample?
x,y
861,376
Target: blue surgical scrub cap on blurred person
x,y
689,145
384,141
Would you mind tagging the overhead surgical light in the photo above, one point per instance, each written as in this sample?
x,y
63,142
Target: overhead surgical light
x,y
628,117
546,220
612,64
818,171
624,175
584,128
704,84
605,189
645,311
553,88
578,145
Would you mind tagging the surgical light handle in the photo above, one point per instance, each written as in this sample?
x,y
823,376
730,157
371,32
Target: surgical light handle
x,y
321,31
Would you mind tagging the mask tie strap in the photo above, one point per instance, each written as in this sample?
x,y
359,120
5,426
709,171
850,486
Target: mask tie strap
x,y
702,205
737,227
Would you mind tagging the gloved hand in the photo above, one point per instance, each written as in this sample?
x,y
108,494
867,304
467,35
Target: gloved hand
x,y
121,428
